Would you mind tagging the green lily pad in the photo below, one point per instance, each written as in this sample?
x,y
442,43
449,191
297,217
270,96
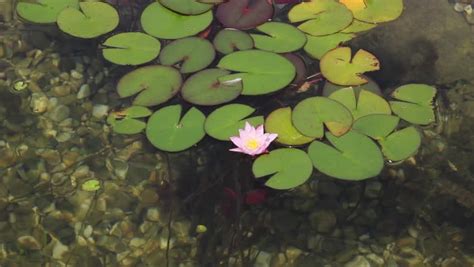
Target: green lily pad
x,y
279,122
317,46
154,84
374,11
92,20
166,130
125,121
131,48
261,72
204,88
289,167
401,144
188,7
352,156
280,37
321,17
229,40
226,121
91,185
44,11
371,86
376,126
366,104
416,105
358,26
161,22
339,68
310,115
193,53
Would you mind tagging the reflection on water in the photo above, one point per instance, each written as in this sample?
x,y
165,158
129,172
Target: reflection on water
x,y
149,208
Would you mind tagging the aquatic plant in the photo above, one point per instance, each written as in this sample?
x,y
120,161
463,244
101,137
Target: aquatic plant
x,y
212,52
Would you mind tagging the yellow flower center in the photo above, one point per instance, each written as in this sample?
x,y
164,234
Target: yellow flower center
x,y
252,144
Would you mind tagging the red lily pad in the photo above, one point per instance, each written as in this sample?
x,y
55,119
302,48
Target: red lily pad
x,y
244,14
300,66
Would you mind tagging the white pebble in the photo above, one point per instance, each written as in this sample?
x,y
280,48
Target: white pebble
x,y
100,111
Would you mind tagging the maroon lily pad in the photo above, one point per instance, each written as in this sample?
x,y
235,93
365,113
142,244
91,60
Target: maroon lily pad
x,y
300,66
244,14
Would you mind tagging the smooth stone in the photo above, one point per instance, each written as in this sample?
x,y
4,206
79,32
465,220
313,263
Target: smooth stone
x,y
358,261
372,189
61,90
263,259
153,214
59,113
100,111
29,242
323,220
84,91
76,75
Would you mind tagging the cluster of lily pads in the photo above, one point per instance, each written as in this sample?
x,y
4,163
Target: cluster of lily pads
x,y
351,129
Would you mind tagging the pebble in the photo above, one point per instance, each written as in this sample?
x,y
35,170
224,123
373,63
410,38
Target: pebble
x,y
372,190
358,261
263,259
100,111
76,75
59,113
84,91
323,220
29,242
153,214
459,7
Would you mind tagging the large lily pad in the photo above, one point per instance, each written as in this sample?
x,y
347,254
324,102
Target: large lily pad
x,y
352,156
317,46
154,84
244,14
366,104
416,103
310,115
228,40
280,37
226,121
261,72
204,88
162,22
44,11
339,68
92,20
131,48
193,53
321,17
376,126
167,131
374,11
289,167
371,86
126,121
188,7
401,144
279,122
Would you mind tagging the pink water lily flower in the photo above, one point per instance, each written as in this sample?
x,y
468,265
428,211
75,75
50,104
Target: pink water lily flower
x,y
252,141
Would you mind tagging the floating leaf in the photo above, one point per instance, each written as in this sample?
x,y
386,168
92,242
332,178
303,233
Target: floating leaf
x,y
376,126
44,11
204,88
131,48
161,22
401,144
167,131
371,86
321,17
92,20
261,72
279,122
244,14
154,84
310,114
91,185
193,52
188,7
366,104
226,121
374,11
281,37
417,104
317,46
300,66
358,26
338,67
125,121
353,157
229,40
290,168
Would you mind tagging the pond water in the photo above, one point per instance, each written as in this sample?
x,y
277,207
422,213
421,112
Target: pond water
x,y
74,193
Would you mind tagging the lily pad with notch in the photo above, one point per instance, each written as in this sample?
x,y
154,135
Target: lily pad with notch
x,y
358,26
371,86
376,126
204,88
401,144
44,11
352,156
279,37
375,11
154,84
164,23
229,40
311,114
244,14
261,72
416,103
92,20
192,53
289,167
317,46
279,122
127,121
226,121
340,68
168,131
188,7
131,48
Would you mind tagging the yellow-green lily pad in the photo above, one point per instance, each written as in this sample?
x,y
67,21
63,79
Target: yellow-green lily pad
x,y
416,105
358,26
374,11
126,121
371,86
131,48
280,37
229,40
187,7
44,11
317,46
376,126
401,144
367,102
279,122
